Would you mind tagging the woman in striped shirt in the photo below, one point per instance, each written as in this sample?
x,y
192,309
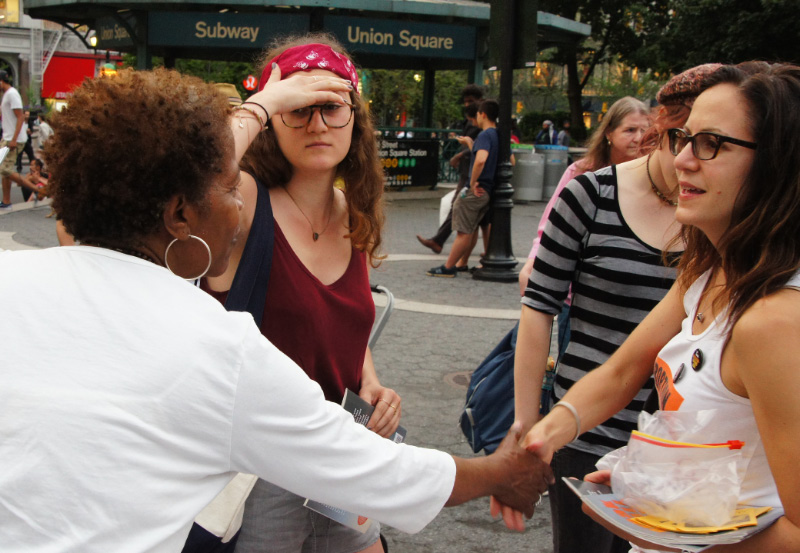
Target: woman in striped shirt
x,y
606,239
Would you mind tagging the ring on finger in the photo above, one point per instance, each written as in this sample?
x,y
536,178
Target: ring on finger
x,y
389,404
315,78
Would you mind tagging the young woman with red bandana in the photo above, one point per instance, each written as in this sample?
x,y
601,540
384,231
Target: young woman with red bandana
x,y
319,309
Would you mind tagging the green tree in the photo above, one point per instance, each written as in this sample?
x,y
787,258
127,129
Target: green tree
x,y
233,72
623,28
729,31
392,93
447,98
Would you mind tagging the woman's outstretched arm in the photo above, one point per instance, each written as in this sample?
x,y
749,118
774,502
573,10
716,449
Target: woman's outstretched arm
x,y
611,386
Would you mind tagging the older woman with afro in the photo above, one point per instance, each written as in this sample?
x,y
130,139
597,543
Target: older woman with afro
x,y
143,403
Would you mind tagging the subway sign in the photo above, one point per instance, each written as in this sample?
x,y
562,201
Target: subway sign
x,y
409,162
402,38
221,30
113,34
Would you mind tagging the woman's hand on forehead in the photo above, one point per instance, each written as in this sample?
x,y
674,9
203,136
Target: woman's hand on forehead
x,y
301,90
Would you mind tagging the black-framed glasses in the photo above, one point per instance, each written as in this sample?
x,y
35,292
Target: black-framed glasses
x,y
705,145
334,116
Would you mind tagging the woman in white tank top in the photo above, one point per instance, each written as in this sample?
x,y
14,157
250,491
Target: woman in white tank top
x,y
727,335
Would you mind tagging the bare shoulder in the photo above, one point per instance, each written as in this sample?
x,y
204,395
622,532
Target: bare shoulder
x,y
764,347
776,316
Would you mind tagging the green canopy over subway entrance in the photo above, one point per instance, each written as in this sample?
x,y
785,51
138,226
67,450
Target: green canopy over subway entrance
x,y
426,35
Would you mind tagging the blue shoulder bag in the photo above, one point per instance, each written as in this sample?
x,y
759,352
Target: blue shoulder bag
x,y
489,411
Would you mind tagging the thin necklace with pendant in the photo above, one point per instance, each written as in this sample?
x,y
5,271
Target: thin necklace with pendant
x,y
314,234
658,192
701,314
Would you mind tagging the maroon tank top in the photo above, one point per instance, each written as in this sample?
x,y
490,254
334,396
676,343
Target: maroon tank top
x,y
324,329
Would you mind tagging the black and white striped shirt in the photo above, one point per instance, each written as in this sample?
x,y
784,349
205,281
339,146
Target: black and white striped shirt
x,y
616,280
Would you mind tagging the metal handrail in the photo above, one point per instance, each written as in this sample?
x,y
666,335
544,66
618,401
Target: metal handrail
x,y
383,318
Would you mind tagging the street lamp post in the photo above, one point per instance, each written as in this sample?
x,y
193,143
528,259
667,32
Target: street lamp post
x,y
499,261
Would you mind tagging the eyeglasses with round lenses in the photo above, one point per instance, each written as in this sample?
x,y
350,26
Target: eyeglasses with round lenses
x,y
705,145
334,116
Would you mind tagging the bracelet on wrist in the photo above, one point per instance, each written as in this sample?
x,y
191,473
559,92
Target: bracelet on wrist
x,y
266,113
252,112
571,408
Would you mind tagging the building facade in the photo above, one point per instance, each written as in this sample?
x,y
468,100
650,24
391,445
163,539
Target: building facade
x,y
45,59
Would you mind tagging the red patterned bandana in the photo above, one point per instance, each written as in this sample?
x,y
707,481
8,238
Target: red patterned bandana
x,y
308,57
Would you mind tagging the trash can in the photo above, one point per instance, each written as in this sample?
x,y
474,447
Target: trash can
x,y
555,163
528,176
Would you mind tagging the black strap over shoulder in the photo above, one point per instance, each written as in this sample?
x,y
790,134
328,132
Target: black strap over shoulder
x,y
249,289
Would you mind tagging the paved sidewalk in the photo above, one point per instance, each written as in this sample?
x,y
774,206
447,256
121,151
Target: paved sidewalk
x,y
439,332
426,358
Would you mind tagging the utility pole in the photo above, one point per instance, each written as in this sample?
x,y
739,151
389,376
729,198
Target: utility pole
x,y
511,44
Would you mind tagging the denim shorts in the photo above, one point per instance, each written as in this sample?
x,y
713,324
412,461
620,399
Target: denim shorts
x,y
275,521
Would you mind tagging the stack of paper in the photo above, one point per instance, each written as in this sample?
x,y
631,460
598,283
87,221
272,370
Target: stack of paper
x,y
610,507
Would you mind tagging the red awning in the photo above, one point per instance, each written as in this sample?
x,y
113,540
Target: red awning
x,y
63,74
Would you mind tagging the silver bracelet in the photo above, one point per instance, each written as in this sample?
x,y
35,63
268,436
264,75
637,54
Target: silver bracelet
x,y
571,409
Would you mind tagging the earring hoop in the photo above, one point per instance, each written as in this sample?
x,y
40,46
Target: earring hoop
x,y
166,259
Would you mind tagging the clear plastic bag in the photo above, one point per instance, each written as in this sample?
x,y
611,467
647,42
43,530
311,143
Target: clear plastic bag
x,y
672,469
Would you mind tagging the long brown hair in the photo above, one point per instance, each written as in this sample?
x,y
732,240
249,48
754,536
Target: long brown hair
x,y
760,250
360,169
599,150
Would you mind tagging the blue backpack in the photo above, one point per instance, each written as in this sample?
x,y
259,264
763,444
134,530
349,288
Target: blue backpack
x,y
489,411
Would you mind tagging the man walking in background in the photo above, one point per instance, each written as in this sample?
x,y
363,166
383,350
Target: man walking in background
x,y
473,203
11,110
28,133
461,162
45,132
471,96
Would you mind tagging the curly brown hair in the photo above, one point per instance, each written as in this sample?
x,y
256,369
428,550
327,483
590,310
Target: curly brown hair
x,y
760,250
126,144
360,169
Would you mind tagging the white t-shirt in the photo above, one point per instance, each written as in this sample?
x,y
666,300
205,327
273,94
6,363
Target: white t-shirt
x,y
22,137
45,132
11,101
127,417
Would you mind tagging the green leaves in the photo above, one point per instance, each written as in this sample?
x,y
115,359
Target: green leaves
x,y
731,31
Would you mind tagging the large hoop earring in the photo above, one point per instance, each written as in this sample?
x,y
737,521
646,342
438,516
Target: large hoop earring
x,y
201,275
